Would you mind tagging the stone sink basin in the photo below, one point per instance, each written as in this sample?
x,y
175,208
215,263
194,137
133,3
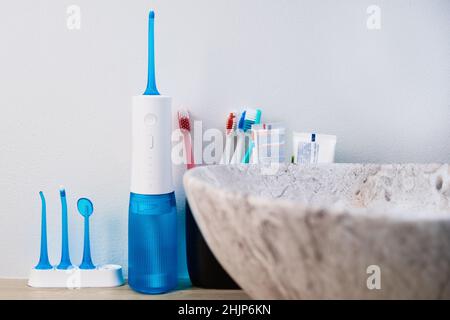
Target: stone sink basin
x,y
357,231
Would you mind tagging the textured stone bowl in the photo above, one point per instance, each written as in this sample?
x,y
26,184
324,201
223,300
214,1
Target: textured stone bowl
x,y
329,231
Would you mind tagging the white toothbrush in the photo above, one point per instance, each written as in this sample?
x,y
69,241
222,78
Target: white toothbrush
x,y
229,142
240,144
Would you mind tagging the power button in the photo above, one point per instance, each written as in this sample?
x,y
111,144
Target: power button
x,y
150,119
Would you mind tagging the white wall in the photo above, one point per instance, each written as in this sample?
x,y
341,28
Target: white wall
x,y
65,95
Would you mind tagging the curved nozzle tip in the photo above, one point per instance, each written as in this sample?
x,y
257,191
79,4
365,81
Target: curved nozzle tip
x,y
151,15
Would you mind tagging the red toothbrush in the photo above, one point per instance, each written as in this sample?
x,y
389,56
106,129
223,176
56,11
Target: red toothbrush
x,y
185,127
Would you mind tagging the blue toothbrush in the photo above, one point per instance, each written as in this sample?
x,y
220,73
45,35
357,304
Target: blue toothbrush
x,y
85,208
65,257
44,263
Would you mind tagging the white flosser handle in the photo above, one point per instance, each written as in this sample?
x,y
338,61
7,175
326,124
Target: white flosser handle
x,y
151,165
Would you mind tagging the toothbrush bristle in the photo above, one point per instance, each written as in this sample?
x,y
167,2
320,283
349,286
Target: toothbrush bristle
x,y
231,122
62,191
152,15
258,116
252,117
184,120
242,121
250,114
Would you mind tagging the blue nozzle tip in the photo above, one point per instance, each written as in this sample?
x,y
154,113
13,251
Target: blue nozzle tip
x,y
151,82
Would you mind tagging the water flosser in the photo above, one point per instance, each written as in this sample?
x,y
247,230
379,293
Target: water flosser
x,y
152,225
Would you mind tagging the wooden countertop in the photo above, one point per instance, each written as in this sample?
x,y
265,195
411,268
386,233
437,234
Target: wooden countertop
x,y
14,289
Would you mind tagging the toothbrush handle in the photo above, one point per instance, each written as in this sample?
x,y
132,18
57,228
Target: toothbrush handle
x,y
190,163
226,156
248,153
87,260
239,151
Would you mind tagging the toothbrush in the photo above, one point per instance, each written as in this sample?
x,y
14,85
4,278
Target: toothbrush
x,y
185,127
229,136
184,124
152,216
252,117
44,263
85,208
65,256
240,145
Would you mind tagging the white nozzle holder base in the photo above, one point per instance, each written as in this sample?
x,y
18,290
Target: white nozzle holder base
x,y
151,164
109,275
